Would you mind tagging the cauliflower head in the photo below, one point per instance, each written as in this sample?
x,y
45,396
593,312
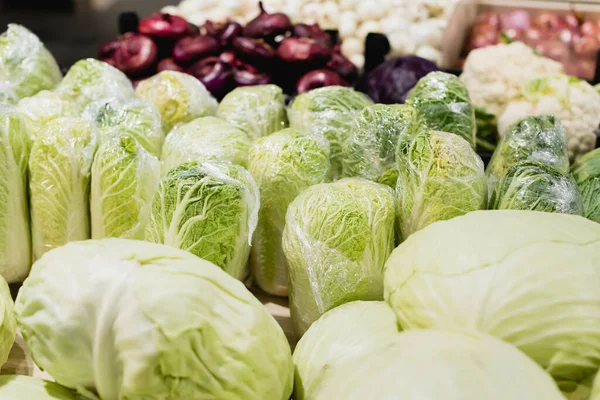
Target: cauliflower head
x,y
574,102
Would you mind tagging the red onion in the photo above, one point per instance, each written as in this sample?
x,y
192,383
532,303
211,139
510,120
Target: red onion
x,y
136,54
319,78
211,28
312,31
519,20
231,31
192,48
253,49
164,26
586,46
550,21
533,35
488,18
344,67
267,25
247,75
214,74
228,57
303,50
168,64
107,50
483,39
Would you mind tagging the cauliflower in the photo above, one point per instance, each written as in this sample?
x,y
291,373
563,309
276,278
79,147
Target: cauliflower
x,y
494,75
574,102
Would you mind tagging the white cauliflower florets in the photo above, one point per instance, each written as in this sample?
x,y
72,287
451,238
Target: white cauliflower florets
x,y
574,102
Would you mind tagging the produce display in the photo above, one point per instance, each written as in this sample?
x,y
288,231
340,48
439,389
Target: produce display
x,y
18,387
586,172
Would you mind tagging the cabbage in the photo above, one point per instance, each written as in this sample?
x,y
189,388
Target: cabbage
x,y
257,110
26,66
124,179
596,389
282,165
8,323
440,178
348,331
20,387
15,236
207,138
529,278
537,187
43,108
208,209
123,319
442,103
370,151
586,171
140,119
179,97
59,183
336,239
91,80
328,112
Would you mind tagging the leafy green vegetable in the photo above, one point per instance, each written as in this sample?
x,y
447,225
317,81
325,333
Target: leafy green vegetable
x,y
336,239
208,209
21,387
282,164
487,130
257,110
43,108
586,172
8,322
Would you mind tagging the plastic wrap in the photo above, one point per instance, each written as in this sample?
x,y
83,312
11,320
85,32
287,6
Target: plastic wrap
x,y
138,118
124,179
257,110
370,152
179,97
18,387
586,172
15,236
207,138
442,103
537,187
337,238
43,108
328,112
26,66
210,210
283,165
59,183
440,177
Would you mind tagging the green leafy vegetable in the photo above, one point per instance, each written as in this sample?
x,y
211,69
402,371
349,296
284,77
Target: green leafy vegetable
x,y
586,172
42,108
8,322
21,387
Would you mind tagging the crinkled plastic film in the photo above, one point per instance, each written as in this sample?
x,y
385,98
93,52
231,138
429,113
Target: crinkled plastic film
x,y
586,172
205,139
124,180
59,183
43,108
209,209
336,239
283,165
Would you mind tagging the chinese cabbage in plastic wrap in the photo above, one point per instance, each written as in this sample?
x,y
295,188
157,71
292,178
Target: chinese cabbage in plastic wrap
x,y
15,235
179,97
206,138
8,322
336,239
22,387
370,151
586,172
282,164
257,110
124,179
209,209
26,66
59,183
42,108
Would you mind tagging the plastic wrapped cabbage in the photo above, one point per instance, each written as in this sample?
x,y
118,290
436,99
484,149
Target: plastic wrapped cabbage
x,y
586,172
595,395
329,112
442,103
433,365
539,138
536,187
440,178
346,332
21,387
91,80
124,179
43,108
140,119
534,285
208,209
179,97
257,110
8,323
207,138
59,183
26,66
336,239
15,235
370,151
145,321
282,164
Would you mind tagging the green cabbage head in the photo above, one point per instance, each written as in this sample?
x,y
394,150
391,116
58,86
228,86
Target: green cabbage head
x,y
257,110
8,323
203,139
26,66
440,177
146,321
586,172
21,387
282,164
336,239
370,152
124,179
59,183
179,97
208,209
529,278
42,108
15,235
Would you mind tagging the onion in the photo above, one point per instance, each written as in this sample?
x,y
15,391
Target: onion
x,y
136,54
164,26
193,48
319,78
519,20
